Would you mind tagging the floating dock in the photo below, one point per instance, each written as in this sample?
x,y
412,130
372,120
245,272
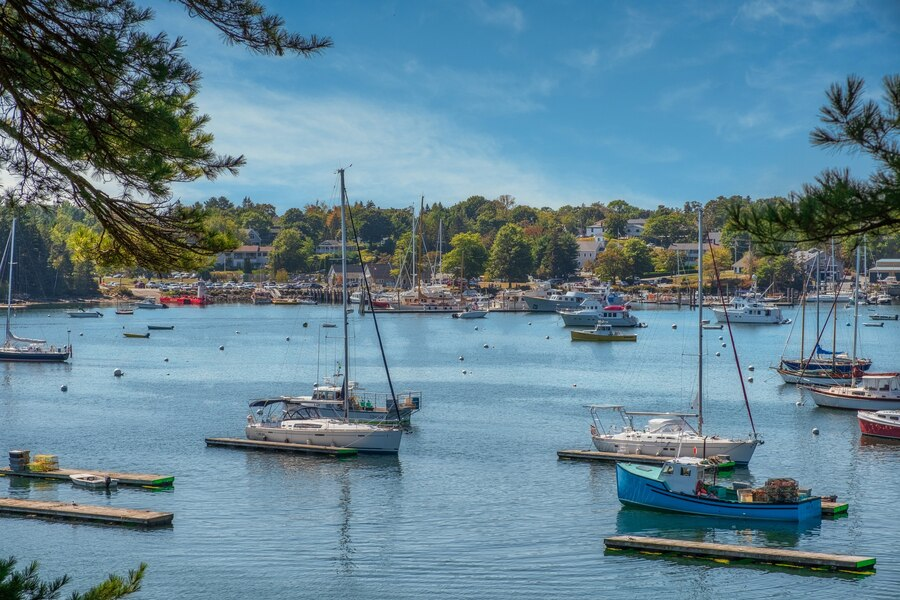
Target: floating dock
x,y
631,458
70,511
834,509
135,479
281,447
756,554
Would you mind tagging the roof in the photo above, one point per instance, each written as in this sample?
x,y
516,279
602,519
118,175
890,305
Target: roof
x,y
253,248
597,224
379,270
637,221
590,245
351,269
683,246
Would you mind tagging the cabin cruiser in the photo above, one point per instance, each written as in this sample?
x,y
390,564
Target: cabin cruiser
x,y
591,312
873,391
750,309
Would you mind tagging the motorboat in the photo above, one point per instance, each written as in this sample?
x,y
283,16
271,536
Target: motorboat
x,y
94,482
150,303
136,335
665,434
680,485
872,391
602,332
160,327
22,349
877,317
750,309
882,423
591,311
84,314
555,301
470,313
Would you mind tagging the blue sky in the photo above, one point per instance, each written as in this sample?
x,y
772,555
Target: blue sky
x,y
554,102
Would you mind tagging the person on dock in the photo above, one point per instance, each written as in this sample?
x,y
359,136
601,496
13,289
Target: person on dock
x,y
107,482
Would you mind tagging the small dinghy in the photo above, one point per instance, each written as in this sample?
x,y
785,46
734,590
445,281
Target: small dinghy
x,y
94,482
161,327
136,335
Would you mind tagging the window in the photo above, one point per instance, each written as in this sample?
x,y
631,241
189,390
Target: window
x,y
668,469
685,471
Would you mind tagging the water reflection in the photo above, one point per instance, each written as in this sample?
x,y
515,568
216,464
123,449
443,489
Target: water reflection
x,y
635,520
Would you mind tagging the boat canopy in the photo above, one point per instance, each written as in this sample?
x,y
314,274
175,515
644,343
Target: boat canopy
x,y
614,307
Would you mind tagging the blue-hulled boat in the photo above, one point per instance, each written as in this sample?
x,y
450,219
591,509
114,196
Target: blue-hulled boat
x,y
679,486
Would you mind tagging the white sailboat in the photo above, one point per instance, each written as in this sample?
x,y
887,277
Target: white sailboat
x,y
670,434
302,423
19,349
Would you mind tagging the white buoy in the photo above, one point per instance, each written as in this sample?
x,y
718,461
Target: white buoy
x,y
815,431
485,346
64,388
674,326
287,339
461,358
547,337
118,373
798,403
750,379
166,359
476,328
221,347
574,385
718,353
751,368
237,332
723,344
848,324
721,338
464,371
529,322
82,335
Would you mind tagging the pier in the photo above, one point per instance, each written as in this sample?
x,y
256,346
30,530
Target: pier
x,y
135,479
756,554
643,459
281,447
70,511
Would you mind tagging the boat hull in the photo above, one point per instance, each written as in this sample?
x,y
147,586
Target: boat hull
x,y
470,314
814,377
773,318
740,451
382,441
841,365
638,490
13,355
590,336
876,425
828,399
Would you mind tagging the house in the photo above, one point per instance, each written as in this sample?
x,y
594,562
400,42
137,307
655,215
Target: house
x,y
380,274
687,254
595,231
829,268
354,275
635,227
236,259
743,265
588,249
253,238
886,268
329,247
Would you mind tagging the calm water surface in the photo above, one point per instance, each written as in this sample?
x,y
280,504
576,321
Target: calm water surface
x,y
475,506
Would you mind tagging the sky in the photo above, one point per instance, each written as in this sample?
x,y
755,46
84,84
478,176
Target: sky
x,y
553,102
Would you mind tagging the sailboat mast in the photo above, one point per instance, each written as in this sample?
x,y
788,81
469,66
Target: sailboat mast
x,y
12,245
700,320
855,321
345,384
414,241
441,248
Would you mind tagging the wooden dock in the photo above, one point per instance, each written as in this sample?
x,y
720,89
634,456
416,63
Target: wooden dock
x,y
83,512
135,479
834,509
775,556
632,458
281,447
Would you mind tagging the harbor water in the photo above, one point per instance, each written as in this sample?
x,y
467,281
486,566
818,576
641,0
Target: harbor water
x,y
476,505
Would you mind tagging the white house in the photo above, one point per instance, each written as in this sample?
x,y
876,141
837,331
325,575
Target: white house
x,y
595,231
687,254
635,227
257,255
329,247
588,249
354,275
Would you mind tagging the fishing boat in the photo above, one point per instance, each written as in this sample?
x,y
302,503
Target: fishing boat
x,y
305,424
94,482
592,311
882,423
84,314
136,335
160,327
124,309
602,332
151,304
670,434
680,485
21,349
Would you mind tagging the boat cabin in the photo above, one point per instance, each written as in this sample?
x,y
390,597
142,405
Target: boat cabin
x,y
884,382
682,475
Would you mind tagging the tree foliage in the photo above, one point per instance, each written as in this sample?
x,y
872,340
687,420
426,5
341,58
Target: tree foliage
x,y
510,258
26,584
556,254
468,256
98,112
838,205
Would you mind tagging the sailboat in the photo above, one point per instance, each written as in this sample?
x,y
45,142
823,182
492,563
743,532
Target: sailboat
x,y
21,349
669,434
284,420
870,391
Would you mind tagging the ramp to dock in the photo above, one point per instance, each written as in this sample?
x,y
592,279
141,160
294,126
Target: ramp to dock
x,y
83,512
777,556
333,451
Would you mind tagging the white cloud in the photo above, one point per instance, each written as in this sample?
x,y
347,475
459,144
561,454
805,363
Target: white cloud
x,y
689,95
505,15
791,12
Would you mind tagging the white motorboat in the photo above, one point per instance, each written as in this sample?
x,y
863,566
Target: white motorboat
x,y
750,309
472,313
150,303
84,314
303,423
592,312
670,434
94,482
555,301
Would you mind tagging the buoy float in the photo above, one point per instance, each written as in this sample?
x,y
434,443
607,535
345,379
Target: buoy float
x,y
476,328
723,344
64,388
118,373
815,431
462,358
751,368
305,324
721,338
798,403
464,371
485,346
166,359
237,332
547,337
718,353
287,339
674,326
529,322
750,379
221,347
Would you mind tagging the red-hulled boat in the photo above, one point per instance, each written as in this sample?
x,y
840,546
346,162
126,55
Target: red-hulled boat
x,y
883,423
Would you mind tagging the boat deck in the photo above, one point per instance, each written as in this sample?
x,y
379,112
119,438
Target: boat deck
x,y
776,556
281,447
136,479
83,512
